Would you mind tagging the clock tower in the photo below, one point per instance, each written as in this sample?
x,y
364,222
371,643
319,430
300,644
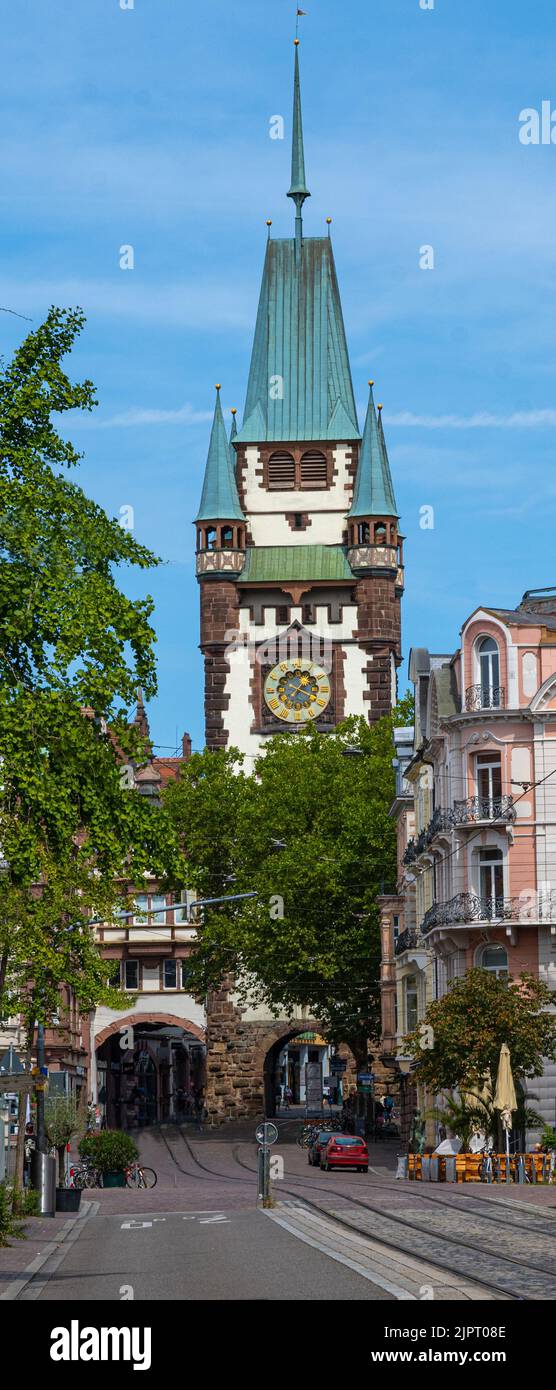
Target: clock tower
x,y
298,554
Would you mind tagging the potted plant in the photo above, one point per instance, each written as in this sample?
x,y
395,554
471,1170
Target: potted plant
x,y
63,1120
111,1151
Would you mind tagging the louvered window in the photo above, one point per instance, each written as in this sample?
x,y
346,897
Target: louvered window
x,y
313,470
282,614
281,471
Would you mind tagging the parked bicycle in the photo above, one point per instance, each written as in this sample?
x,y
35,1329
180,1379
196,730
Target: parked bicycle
x,y
84,1174
136,1175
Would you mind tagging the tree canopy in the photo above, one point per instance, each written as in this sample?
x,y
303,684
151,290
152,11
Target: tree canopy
x,y
309,833
73,650
460,1037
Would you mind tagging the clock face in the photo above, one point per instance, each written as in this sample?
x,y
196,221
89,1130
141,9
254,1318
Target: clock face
x,y
297,691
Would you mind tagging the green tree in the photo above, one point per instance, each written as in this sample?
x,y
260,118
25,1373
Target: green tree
x,y
310,833
466,1028
73,649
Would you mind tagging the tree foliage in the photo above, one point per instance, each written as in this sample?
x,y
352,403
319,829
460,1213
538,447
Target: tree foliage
x,y
470,1023
309,833
73,649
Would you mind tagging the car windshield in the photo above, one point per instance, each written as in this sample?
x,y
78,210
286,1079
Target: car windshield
x,y
348,1143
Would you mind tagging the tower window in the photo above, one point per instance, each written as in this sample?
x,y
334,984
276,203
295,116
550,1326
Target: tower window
x,y
298,521
227,535
281,471
380,534
308,612
314,470
210,537
363,533
282,614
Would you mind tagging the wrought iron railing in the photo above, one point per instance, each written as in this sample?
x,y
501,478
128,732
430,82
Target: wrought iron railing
x,y
483,808
485,697
410,852
470,907
440,821
405,940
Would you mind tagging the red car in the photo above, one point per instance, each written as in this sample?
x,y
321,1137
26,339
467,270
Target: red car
x,y
345,1151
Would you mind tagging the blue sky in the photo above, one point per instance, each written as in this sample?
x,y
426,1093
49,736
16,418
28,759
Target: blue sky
x,y
150,127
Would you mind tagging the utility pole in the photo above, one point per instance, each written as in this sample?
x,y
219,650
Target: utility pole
x,y
41,1131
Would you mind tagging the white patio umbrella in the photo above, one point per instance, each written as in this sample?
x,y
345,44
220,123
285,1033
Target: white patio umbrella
x,y
505,1099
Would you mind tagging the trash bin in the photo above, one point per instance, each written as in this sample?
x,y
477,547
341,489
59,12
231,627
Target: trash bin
x,y
43,1179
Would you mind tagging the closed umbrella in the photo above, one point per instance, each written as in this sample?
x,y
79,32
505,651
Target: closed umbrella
x,y
504,1097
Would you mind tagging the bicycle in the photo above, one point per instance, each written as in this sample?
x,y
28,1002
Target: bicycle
x,y
138,1176
84,1175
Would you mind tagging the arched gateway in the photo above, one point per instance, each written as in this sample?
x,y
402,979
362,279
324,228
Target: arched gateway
x,y
143,1062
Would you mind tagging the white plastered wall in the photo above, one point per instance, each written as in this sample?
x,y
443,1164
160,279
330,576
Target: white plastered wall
x,y
266,511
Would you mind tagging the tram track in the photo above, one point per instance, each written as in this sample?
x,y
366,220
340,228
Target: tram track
x,y
394,1221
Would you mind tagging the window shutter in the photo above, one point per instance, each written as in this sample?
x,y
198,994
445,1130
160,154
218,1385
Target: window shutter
x,y
314,472
281,471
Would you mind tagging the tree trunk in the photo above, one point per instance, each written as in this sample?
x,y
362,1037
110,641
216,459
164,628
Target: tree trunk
x,y
61,1165
20,1146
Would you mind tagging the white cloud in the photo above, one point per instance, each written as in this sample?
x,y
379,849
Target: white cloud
x,y
137,415
483,419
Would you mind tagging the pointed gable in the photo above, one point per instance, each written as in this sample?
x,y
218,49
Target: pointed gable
x,y
219,500
373,493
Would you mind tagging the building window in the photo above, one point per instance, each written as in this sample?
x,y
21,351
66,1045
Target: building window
x,y
488,772
282,614
170,974
115,981
142,907
227,536
489,671
298,521
281,471
210,538
308,613
380,534
396,926
494,959
156,906
314,470
181,910
363,533
131,974
411,1003
491,882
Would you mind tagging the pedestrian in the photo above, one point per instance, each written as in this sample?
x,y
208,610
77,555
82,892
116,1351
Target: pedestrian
x,y
288,1097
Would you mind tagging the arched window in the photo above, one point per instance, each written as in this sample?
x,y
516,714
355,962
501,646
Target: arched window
x,y
314,471
380,534
281,471
495,959
227,536
210,537
489,669
363,533
491,882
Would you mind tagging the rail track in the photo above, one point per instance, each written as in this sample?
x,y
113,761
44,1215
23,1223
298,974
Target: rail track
x,y
390,1230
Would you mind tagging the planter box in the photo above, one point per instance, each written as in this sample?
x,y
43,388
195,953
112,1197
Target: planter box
x,y
68,1198
113,1179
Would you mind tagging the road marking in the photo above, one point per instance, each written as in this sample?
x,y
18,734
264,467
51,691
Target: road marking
x,y
139,1225
212,1220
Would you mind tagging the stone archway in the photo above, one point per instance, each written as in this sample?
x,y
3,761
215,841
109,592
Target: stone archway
x,y
134,1020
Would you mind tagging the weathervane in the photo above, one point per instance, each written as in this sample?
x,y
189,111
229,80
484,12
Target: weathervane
x,y
298,13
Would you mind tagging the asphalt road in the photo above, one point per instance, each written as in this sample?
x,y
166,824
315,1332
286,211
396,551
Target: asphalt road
x,y
210,1255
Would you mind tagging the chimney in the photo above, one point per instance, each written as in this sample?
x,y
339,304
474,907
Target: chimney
x,y
186,747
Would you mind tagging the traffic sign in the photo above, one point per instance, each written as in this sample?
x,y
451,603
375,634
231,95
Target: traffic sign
x,y
266,1133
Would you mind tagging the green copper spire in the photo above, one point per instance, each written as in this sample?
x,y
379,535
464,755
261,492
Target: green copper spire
x,y
219,501
298,188
373,494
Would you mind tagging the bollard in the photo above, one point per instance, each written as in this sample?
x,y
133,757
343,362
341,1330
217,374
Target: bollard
x,y
401,1171
434,1164
43,1179
521,1168
425,1169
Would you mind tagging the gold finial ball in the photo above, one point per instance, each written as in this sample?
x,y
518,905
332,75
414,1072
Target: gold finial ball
x,y
371,383
234,411
217,387
329,219
296,43
269,221
379,407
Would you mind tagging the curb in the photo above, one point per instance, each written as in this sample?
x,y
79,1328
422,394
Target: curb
x,y
53,1253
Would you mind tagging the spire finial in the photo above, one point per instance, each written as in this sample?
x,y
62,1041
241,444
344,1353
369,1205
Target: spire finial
x,y
298,188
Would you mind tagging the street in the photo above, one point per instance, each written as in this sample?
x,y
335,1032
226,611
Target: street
x,y
198,1235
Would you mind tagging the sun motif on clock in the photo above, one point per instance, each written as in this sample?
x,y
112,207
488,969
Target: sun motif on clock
x,y
297,691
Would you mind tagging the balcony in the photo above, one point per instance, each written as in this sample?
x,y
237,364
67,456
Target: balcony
x,y
478,697
408,938
483,808
469,907
410,852
440,822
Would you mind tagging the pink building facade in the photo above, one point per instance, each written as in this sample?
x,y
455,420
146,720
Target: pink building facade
x,y
477,879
